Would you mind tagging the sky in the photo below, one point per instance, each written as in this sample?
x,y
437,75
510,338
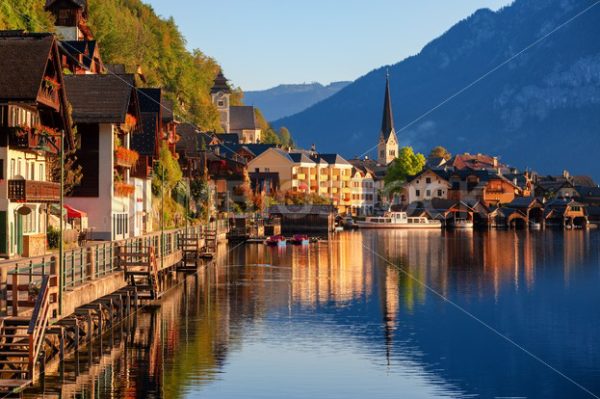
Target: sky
x,y
263,43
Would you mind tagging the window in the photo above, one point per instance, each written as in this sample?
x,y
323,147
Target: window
x,y
428,193
220,103
440,193
32,171
41,175
418,193
428,180
267,170
13,170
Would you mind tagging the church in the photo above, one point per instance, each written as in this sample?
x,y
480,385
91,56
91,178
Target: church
x,y
238,119
387,147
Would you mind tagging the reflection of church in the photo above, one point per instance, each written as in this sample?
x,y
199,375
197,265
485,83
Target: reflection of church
x,y
235,119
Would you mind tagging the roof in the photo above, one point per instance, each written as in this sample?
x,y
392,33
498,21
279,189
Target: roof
x,y
242,117
150,99
79,3
387,121
254,149
483,175
522,202
332,159
220,84
119,69
441,173
99,98
588,192
190,141
297,156
474,162
301,209
377,171
229,138
583,181
84,47
23,60
167,110
145,142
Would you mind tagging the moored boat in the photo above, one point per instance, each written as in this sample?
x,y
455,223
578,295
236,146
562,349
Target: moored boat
x,y
300,239
276,241
398,220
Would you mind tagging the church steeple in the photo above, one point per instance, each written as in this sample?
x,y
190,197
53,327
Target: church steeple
x,y
387,123
387,148
220,93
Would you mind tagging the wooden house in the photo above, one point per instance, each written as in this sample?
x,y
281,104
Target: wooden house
x,y
486,186
565,213
106,112
33,115
71,18
531,207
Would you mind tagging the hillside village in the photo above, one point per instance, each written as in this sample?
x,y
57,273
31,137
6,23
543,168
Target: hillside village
x,y
133,166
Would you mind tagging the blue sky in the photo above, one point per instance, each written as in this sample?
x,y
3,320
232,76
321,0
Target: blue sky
x,y
262,43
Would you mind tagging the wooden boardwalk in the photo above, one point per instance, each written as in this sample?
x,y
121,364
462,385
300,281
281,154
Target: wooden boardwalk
x,y
32,333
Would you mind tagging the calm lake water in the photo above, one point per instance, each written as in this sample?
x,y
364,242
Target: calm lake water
x,y
370,314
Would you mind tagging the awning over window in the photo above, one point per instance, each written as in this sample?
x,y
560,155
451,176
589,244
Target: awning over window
x,y
73,213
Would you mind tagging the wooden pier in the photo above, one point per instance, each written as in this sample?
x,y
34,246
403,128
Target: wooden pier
x,y
102,284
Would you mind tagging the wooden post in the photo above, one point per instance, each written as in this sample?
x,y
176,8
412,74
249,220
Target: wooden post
x,y
90,258
15,294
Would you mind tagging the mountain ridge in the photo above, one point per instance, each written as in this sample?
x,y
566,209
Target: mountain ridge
x,y
288,99
526,111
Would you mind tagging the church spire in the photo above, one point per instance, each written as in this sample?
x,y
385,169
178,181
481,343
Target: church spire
x,y
387,123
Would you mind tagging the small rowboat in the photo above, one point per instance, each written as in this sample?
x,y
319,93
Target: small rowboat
x,y
300,239
276,241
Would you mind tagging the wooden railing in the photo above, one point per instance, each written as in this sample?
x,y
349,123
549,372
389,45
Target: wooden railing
x,y
33,191
38,324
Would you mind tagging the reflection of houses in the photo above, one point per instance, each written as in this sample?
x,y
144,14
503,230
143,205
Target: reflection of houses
x,y
106,111
32,111
566,213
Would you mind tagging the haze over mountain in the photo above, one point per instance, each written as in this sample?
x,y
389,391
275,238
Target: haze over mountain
x,y
541,110
288,99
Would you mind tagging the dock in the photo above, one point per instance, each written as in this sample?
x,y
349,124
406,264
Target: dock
x,y
46,314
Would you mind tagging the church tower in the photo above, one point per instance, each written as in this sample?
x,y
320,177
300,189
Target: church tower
x,y
387,148
220,93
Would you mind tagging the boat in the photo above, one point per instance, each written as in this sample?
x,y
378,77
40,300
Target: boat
x,y
349,223
276,241
398,220
461,224
300,239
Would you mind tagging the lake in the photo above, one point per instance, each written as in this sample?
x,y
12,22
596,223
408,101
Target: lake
x,y
367,314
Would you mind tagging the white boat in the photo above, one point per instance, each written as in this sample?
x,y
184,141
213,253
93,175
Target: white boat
x,y
398,220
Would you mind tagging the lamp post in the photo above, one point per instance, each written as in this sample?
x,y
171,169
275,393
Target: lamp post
x,y
61,153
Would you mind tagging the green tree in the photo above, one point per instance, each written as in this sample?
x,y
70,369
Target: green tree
x,y
285,137
407,164
440,152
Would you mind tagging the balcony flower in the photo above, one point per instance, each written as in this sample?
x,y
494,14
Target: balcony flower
x,y
123,189
126,157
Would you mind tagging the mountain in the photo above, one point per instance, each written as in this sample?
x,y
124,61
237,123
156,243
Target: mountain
x,y
285,100
540,110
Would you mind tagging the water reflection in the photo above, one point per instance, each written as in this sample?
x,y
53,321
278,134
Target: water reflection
x,y
337,320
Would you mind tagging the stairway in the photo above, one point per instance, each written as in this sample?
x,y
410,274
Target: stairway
x,y
141,271
22,338
210,244
190,245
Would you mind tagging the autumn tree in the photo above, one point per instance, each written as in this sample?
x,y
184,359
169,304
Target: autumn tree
x,y
440,152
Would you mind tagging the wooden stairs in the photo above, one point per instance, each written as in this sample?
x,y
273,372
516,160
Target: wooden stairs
x,y
22,337
141,271
210,244
191,246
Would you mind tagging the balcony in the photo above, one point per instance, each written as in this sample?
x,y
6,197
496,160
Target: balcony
x,y
48,94
126,158
123,189
33,191
323,177
299,176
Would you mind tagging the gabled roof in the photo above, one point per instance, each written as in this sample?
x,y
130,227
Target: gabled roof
x,y
79,3
81,47
150,99
377,171
441,173
229,138
100,98
23,60
254,149
242,117
332,159
475,162
523,202
167,110
588,192
298,156
145,142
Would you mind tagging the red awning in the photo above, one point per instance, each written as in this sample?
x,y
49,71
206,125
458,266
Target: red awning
x,y
303,186
73,213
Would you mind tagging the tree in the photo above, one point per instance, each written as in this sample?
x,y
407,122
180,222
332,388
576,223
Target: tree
x,y
440,152
407,164
285,137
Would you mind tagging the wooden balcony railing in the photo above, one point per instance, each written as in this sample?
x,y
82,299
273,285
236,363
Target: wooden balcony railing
x,y
48,93
33,191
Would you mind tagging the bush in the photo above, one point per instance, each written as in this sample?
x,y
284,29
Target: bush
x,y
53,237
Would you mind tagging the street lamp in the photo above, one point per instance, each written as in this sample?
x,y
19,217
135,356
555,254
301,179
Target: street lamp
x,y
45,140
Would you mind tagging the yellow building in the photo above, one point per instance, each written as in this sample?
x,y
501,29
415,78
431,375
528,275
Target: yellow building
x,y
328,175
